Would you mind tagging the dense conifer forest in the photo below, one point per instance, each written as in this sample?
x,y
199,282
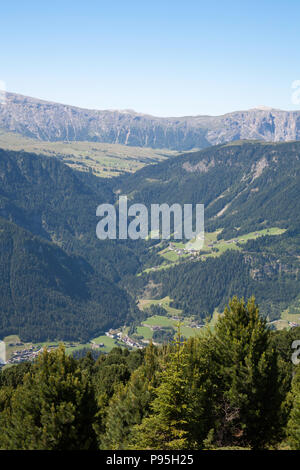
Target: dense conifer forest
x,y
231,388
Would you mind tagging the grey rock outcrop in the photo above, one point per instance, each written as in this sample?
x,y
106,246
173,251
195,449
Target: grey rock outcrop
x,y
49,121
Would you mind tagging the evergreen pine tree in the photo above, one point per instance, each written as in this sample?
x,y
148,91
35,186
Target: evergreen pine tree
x,y
248,392
294,422
53,409
126,409
130,403
173,414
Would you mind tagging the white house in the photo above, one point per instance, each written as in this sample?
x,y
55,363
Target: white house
x,y
2,352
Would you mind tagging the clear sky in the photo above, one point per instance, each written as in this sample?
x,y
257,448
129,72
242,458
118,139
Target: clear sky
x,y
167,57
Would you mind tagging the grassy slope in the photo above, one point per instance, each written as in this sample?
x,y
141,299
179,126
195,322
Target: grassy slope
x,y
104,160
109,343
165,303
220,245
12,341
11,345
159,320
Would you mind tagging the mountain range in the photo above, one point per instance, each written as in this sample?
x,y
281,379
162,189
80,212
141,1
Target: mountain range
x,y
47,121
58,281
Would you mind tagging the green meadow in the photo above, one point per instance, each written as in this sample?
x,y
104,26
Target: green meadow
x,y
101,159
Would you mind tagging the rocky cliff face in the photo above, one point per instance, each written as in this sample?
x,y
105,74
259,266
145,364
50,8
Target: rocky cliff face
x,y
56,122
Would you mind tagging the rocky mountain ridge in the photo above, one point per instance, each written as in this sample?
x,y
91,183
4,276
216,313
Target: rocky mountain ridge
x,y
49,121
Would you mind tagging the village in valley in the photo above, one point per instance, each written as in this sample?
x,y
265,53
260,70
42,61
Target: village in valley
x,y
154,326
125,337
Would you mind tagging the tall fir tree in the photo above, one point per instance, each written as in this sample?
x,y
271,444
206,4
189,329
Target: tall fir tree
x,y
53,409
176,408
248,391
126,409
293,429
130,403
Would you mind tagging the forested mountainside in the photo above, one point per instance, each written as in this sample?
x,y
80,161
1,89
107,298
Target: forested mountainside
x,y
249,189
46,293
57,122
242,184
251,196
57,280
46,197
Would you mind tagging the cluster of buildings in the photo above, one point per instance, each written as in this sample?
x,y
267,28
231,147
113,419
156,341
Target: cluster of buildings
x,y
119,336
27,354
24,355
183,251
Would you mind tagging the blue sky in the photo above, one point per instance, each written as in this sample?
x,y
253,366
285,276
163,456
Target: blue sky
x,y
167,58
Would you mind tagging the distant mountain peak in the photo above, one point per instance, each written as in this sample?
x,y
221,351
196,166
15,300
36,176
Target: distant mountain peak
x,y
264,108
47,121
